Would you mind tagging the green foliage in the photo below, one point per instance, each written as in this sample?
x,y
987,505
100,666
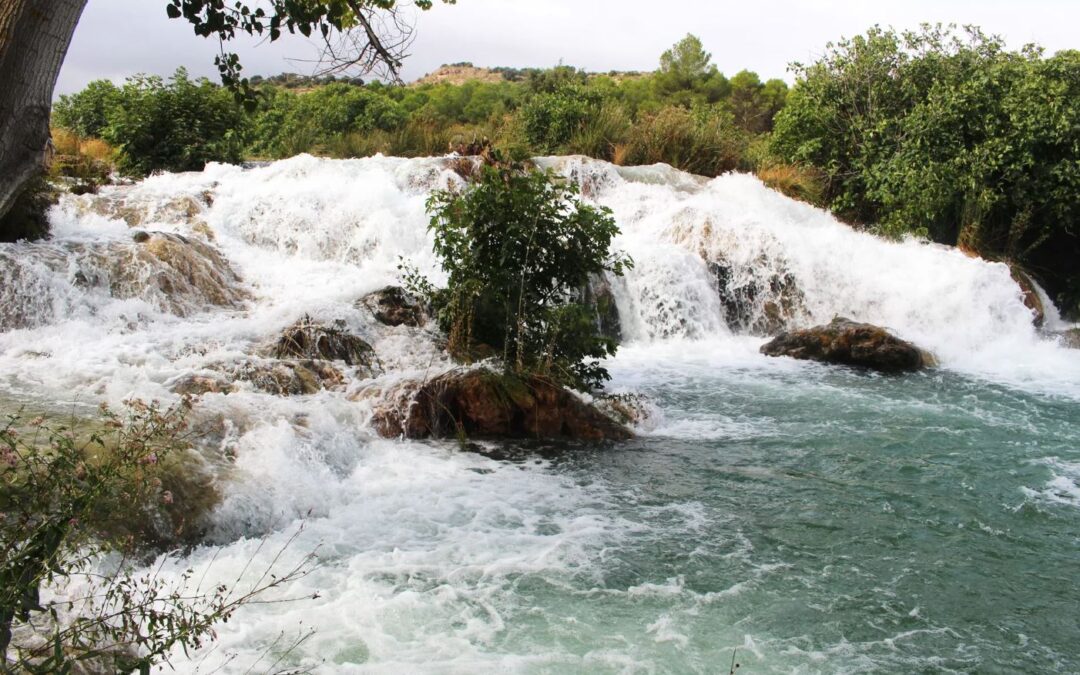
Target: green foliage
x,y
68,497
687,75
87,112
518,248
620,117
292,123
946,134
550,119
175,125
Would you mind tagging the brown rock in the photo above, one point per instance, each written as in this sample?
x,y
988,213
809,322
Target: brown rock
x,y
309,340
394,306
197,385
1028,288
481,403
849,343
290,378
1070,338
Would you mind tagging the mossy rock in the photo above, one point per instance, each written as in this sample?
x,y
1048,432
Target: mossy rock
x,y
479,403
847,342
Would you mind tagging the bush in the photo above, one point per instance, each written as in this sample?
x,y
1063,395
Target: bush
x,y
87,113
519,247
179,125
551,119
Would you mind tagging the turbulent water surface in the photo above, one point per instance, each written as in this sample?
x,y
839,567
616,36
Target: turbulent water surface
x,y
805,518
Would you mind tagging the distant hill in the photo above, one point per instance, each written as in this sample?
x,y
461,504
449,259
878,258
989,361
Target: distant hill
x,y
460,73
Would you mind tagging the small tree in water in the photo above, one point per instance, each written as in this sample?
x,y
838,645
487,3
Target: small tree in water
x,y
519,247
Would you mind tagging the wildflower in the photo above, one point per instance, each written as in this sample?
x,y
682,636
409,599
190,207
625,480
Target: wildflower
x,y
167,497
150,459
37,421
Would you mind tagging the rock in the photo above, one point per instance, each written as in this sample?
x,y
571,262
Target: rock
x,y
762,302
197,385
1070,338
281,378
290,378
172,273
849,343
307,339
599,295
1029,289
185,273
482,403
632,410
394,306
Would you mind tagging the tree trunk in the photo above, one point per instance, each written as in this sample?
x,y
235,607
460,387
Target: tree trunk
x,y
34,37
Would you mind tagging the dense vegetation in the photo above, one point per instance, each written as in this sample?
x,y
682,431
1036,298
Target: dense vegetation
x,y
520,250
948,135
686,113
936,133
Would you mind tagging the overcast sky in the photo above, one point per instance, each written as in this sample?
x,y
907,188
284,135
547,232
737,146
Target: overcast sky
x,y
117,38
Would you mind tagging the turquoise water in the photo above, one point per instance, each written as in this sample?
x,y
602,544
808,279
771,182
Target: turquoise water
x,y
822,520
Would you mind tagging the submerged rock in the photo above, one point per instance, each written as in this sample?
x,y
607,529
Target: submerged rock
x,y
482,403
191,269
630,409
1070,338
290,378
761,301
394,306
847,342
599,295
280,378
309,340
42,281
1032,299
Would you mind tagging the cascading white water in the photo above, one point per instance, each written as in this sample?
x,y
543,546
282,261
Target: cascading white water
x,y
92,315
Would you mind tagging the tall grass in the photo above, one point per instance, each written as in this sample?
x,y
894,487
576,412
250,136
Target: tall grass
x,y
89,160
704,142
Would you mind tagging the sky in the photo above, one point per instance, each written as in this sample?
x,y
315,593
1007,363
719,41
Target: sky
x,y
118,38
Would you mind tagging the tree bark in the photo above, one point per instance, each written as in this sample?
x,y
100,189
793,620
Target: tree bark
x,y
34,38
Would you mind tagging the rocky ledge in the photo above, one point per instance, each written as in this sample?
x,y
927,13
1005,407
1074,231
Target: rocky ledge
x,y
479,403
846,342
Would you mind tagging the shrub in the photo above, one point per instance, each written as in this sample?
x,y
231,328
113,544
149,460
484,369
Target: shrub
x,y
551,119
519,247
87,112
89,160
798,182
179,125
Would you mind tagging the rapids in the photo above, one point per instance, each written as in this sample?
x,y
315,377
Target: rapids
x,y
811,519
